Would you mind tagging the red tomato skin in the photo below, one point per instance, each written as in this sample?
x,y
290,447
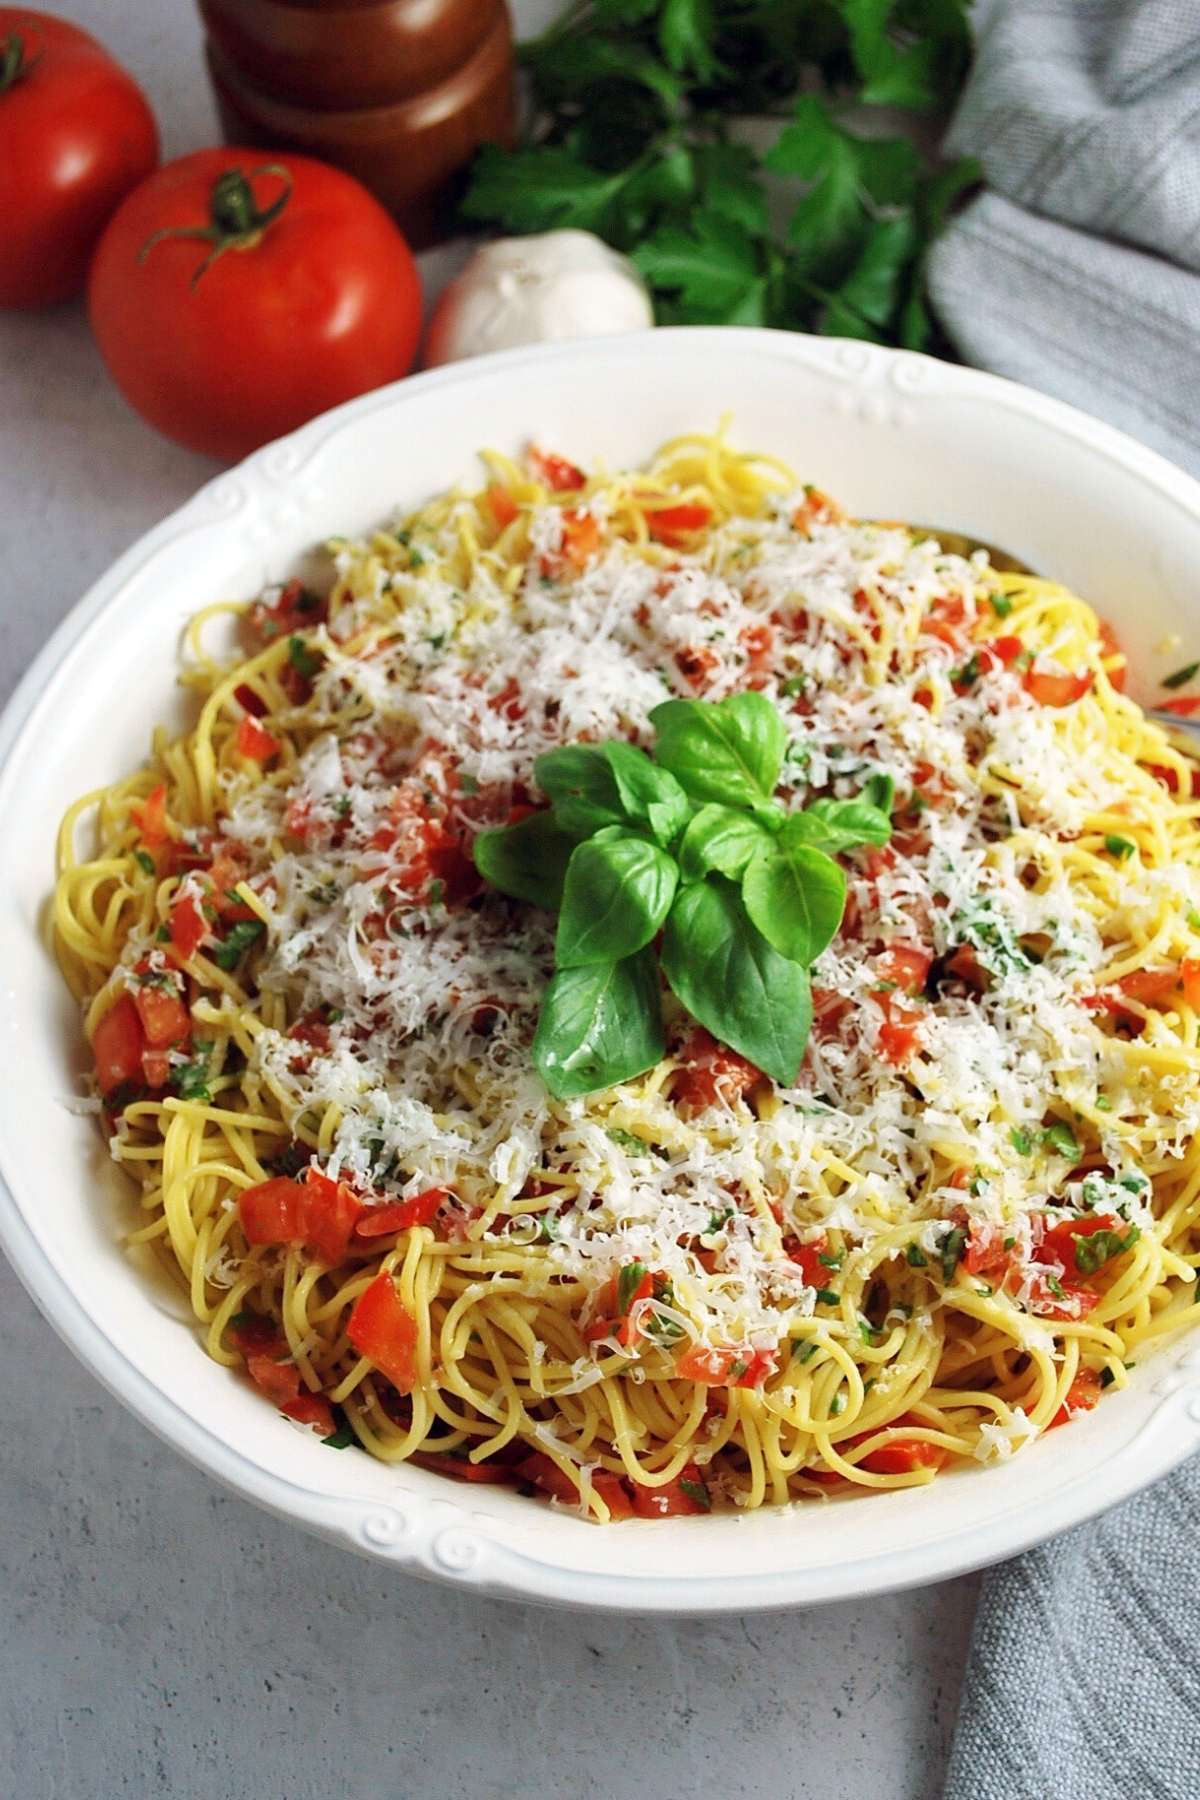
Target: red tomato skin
x,y
325,305
117,1044
381,1328
673,1501
76,134
674,525
189,928
312,1410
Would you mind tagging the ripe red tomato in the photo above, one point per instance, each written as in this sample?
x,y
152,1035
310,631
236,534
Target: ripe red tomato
x,y
75,135
233,297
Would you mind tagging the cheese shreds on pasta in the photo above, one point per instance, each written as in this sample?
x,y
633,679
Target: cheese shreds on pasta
x,y
697,1288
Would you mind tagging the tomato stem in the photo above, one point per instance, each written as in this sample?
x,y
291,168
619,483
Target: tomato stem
x,y
14,65
236,222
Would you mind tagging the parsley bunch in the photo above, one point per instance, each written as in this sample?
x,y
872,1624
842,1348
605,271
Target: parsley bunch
x,y
688,842
640,106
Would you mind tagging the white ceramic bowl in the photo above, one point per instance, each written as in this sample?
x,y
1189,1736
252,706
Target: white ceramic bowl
x,y
891,435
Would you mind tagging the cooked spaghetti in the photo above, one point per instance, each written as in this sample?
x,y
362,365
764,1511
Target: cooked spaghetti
x,y
312,1021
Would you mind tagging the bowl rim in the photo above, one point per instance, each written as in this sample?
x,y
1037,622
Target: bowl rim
x,y
1133,1466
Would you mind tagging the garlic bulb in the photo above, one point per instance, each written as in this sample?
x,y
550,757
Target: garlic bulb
x,y
529,290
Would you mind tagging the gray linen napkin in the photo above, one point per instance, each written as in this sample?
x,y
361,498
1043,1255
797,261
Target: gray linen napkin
x,y
1078,271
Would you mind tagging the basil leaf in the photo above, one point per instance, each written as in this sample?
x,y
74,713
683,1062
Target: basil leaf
x,y
1091,1253
730,752
237,940
879,791
579,780
795,895
835,825
649,795
733,982
721,838
629,1280
617,893
599,1024
528,859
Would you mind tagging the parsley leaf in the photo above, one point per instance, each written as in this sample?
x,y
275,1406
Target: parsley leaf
x,y
630,137
1060,1138
190,1079
710,266
1181,677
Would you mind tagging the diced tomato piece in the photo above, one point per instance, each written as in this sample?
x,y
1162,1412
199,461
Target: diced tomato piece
x,y
829,1009
807,1258
1109,649
672,525
296,609
555,472
117,1044
681,1498
759,643
331,1210
1170,779
580,538
545,1473
165,1019
255,741
816,509
905,966
297,819
273,1211
459,1468
315,1211
504,508
1189,975
313,1410
989,1249
1066,1300
612,1319
1051,688
1059,1243
188,928
226,871
150,817
1081,1396
402,1215
898,1030
946,621
903,1455
266,1351
382,1329
279,1381
712,1072
313,1030
696,664
1006,650
733,1365
1146,987
1149,985
156,1068
1185,707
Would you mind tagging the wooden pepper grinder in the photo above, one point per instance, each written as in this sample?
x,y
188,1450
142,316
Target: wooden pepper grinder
x,y
400,93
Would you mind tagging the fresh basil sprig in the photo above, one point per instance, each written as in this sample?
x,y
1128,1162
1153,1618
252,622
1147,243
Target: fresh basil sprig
x,y
689,842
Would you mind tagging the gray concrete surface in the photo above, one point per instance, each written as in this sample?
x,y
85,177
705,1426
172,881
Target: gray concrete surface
x,y
162,1638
